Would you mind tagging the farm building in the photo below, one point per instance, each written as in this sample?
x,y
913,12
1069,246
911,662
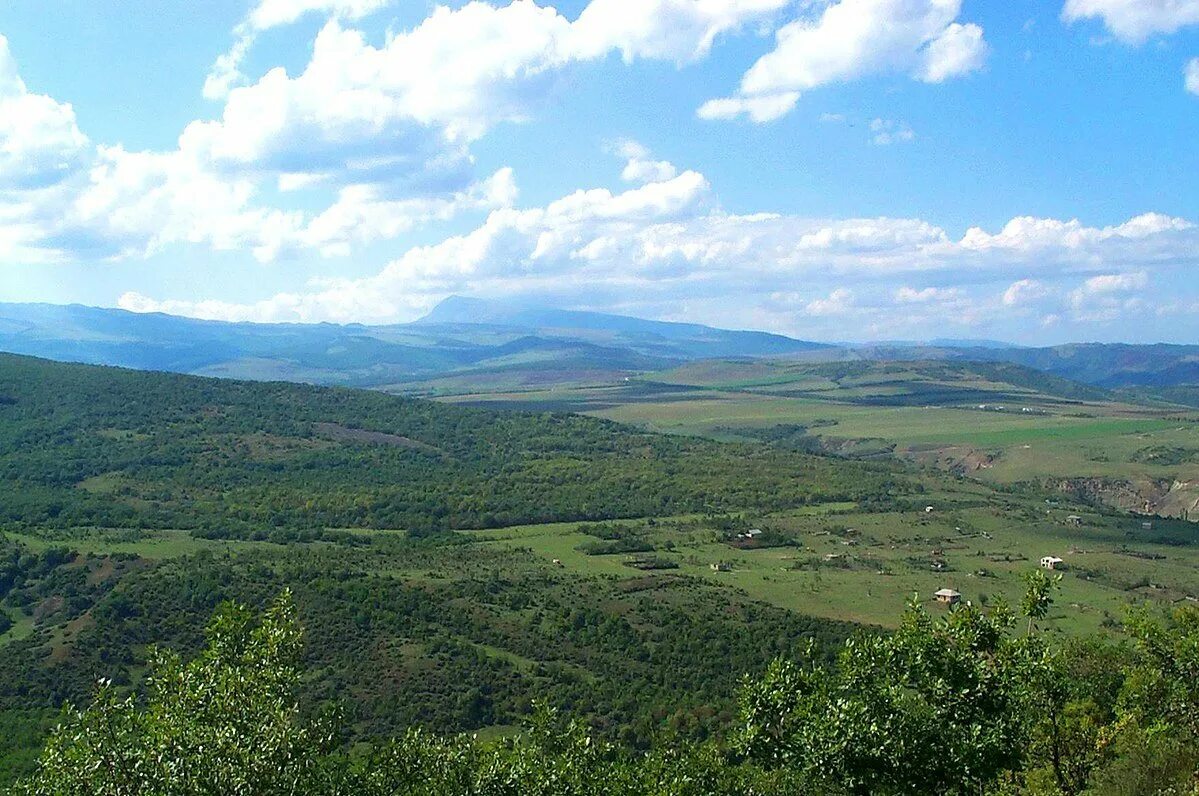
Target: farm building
x,y
1052,562
948,596
722,566
1074,519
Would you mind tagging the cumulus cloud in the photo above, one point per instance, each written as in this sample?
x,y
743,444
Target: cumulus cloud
x,y
414,103
137,204
958,50
850,39
1107,297
1024,291
909,295
1134,21
40,142
640,166
266,14
669,240
1114,283
838,302
1191,76
675,30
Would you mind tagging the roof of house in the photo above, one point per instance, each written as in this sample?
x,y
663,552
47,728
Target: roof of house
x,y
948,593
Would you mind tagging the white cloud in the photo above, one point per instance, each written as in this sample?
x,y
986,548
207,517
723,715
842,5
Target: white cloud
x,y
1024,291
759,109
838,302
1191,76
362,214
410,106
675,30
137,203
1108,297
1029,234
908,295
850,39
1115,283
640,167
40,142
888,131
668,241
1134,21
266,14
959,50
269,14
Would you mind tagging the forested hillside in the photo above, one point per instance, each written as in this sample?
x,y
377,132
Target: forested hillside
x,y
82,445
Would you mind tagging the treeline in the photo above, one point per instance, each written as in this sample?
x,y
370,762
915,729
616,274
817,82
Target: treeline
x,y
90,446
970,703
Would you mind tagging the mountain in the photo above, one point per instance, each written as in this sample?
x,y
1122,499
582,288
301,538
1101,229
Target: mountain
x,y
665,338
519,344
466,344
1109,365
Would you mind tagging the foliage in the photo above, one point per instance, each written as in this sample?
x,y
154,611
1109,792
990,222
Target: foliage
x,y
932,708
950,705
86,446
225,722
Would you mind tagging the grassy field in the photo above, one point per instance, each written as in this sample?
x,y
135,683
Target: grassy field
x,y
1002,425
845,564
836,560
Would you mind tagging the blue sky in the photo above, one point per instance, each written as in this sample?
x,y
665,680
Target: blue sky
x,y
829,169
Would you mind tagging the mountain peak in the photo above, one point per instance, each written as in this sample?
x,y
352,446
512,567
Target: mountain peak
x,y
465,309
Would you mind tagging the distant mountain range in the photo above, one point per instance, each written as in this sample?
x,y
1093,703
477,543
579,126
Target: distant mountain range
x,y
465,342
460,335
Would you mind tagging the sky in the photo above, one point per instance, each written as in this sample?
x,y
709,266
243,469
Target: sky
x,y
849,170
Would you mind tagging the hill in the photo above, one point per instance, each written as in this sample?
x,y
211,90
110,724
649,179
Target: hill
x,y
494,342
1109,365
469,345
88,445
996,421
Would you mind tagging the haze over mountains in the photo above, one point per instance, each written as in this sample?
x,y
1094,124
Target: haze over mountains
x,y
518,344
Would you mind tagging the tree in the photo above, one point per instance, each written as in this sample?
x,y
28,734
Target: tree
x,y
223,723
1038,598
933,708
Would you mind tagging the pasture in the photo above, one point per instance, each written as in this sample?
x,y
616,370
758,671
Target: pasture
x,y
843,563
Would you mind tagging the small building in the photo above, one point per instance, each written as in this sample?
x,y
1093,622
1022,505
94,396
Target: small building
x,y
752,532
1074,519
832,556
1146,526
722,566
557,562
1052,562
948,596
928,509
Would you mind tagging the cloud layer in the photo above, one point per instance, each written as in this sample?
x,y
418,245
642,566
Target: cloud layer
x,y
668,241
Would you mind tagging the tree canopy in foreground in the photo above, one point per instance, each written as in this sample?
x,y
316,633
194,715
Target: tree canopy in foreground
x,y
971,702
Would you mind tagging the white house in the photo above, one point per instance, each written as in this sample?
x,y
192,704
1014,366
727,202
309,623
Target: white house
x,y
1052,562
948,596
